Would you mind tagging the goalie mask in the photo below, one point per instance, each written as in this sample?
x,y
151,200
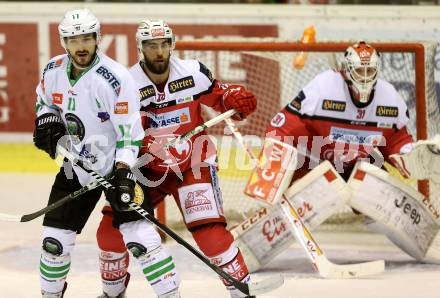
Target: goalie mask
x,y
360,70
78,22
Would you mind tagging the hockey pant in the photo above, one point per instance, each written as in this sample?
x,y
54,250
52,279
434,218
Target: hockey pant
x,y
144,243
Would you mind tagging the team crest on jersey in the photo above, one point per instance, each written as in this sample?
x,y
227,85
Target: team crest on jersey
x,y
385,111
110,78
333,105
181,84
278,120
147,92
172,118
75,127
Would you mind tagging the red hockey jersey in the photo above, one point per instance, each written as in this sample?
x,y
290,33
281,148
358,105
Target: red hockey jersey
x,y
177,110
324,119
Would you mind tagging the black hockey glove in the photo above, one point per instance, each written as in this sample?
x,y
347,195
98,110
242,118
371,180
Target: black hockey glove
x,y
48,130
124,182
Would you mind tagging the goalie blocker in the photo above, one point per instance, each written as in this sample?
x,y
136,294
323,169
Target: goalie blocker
x,y
395,209
316,196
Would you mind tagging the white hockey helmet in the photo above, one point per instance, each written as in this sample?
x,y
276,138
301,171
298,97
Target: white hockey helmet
x,y
77,22
361,67
153,29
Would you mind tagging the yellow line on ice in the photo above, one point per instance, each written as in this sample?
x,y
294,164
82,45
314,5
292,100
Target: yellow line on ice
x,y
26,158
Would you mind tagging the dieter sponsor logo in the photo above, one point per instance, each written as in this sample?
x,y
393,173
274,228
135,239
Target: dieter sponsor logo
x,y
168,119
333,105
384,111
181,84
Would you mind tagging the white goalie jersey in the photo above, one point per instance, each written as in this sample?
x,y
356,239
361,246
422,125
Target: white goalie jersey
x,y
100,110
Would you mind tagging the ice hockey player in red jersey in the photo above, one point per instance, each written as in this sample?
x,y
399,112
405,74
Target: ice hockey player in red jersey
x,y
172,91
341,115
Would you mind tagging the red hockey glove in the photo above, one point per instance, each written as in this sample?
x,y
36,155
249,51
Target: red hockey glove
x,y
153,150
238,98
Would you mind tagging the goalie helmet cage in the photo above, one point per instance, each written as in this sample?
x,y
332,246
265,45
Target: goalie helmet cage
x,y
266,68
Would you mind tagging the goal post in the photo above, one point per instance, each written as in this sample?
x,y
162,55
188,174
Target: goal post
x,y
265,67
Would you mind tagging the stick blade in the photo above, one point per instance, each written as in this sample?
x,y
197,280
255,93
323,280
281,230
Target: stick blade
x,y
10,217
266,285
330,270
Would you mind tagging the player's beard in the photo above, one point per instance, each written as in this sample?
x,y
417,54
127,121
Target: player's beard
x,y
83,59
157,67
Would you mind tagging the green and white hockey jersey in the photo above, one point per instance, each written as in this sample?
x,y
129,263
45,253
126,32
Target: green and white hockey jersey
x,y
100,110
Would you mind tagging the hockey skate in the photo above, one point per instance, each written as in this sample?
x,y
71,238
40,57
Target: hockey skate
x,y
122,295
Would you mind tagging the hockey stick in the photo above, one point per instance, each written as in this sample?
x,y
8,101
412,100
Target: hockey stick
x,y
64,200
254,288
142,160
325,268
320,262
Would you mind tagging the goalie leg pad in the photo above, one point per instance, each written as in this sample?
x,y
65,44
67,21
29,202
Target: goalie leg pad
x,y
397,208
157,264
55,260
316,196
218,245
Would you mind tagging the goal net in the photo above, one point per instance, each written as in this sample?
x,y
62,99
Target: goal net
x,y
267,68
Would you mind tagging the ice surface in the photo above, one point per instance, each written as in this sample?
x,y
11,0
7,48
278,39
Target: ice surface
x,y
20,249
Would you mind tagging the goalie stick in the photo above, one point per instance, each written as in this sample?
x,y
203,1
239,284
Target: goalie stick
x,y
253,288
320,262
142,160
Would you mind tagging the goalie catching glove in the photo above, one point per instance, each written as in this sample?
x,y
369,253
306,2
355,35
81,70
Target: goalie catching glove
x,y
420,161
49,128
124,182
238,98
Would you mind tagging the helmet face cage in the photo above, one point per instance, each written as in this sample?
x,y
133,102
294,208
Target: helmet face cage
x,y
78,22
362,64
150,30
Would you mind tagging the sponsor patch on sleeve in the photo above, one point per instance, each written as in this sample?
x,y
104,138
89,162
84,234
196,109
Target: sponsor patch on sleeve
x,y
296,102
121,107
278,120
387,111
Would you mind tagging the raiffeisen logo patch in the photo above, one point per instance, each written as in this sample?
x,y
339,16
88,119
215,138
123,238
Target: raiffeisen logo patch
x,y
173,118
